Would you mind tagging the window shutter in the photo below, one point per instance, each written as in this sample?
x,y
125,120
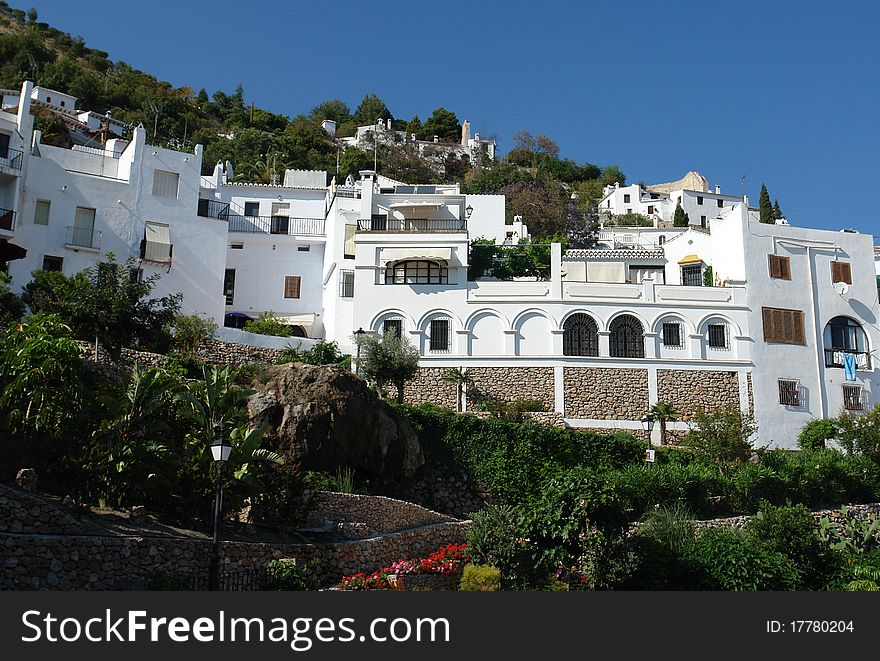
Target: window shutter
x,y
846,272
291,286
775,270
835,272
769,325
798,323
785,268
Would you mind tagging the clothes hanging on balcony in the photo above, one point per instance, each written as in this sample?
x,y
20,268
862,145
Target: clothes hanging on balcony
x,y
862,361
849,366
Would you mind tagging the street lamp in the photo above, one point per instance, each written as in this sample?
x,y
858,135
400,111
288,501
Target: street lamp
x,y
648,426
357,366
220,451
468,210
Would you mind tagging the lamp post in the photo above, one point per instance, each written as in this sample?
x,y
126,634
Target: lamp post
x,y
220,451
648,426
357,366
468,210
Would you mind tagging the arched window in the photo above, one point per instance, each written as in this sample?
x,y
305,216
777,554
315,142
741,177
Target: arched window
x,y
842,336
627,337
416,272
580,336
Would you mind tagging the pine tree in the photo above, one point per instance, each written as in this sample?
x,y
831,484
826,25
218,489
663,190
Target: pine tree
x,y
680,219
764,205
777,212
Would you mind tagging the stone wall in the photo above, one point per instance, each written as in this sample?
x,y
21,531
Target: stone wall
x,y
834,515
430,387
551,418
508,384
602,393
751,393
217,351
689,390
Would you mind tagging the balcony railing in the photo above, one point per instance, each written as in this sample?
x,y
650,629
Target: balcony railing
x,y
835,358
83,237
276,225
342,191
10,158
7,220
412,225
213,209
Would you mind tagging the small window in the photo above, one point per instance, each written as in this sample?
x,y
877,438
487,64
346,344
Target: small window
x,y
703,221
48,99
788,392
783,326
251,209
650,210
348,248
303,248
841,272
346,284
51,263
236,246
626,198
662,239
291,286
393,326
62,104
780,267
229,285
692,275
718,336
41,212
700,200
852,398
439,340
671,334
720,203
165,184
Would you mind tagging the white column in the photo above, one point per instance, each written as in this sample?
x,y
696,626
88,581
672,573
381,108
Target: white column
x,y
559,388
462,338
604,343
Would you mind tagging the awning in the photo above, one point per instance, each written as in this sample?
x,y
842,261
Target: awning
x,y
157,242
10,251
398,254
418,205
689,259
296,319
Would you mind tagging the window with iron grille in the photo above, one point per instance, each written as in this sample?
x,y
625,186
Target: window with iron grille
x,y
788,392
439,340
780,267
165,184
292,286
416,272
692,275
671,334
229,285
346,284
580,336
718,336
627,337
393,326
852,398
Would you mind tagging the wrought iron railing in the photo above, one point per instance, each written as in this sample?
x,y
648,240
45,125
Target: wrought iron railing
x,y
7,220
235,580
276,225
835,358
10,158
213,209
412,225
83,237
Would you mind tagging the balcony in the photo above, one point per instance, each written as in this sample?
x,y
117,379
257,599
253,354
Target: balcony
x,y
7,220
412,225
835,358
83,237
276,225
213,209
10,158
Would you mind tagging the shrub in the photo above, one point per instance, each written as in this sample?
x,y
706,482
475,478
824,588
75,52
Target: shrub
x,y
658,544
192,331
389,359
284,576
514,411
750,484
322,353
184,366
491,539
641,487
814,434
480,578
268,324
855,535
723,437
792,530
730,560
860,433
319,481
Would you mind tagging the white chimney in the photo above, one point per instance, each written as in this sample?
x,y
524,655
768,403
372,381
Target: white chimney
x,y
717,190
389,123
436,138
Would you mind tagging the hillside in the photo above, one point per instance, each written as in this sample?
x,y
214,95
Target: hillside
x,y
553,194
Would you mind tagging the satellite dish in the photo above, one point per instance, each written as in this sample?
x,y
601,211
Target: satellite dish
x,y
841,288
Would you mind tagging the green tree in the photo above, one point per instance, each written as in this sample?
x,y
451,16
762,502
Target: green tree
x,y
612,174
11,305
268,324
765,207
371,109
664,412
335,109
193,331
680,218
443,123
723,437
413,127
389,359
351,161
777,212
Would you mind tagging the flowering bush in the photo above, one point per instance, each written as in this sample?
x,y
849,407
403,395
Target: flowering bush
x,y
447,560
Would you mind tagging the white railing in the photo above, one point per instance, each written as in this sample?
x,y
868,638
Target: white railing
x,y
95,150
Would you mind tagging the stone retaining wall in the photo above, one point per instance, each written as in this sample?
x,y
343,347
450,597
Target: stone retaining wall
x,y
217,351
429,387
834,515
551,418
689,390
603,393
508,384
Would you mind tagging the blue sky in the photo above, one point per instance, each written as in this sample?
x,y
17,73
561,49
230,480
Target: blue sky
x,y
782,92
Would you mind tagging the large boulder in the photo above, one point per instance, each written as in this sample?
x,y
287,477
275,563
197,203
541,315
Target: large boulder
x,y
323,417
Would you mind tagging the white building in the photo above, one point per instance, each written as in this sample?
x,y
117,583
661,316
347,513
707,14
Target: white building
x,y
381,133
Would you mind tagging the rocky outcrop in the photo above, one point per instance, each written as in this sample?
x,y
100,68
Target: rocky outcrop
x,y
322,417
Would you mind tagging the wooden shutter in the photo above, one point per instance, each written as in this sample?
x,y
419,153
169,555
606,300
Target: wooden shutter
x,y
291,286
775,271
783,326
780,267
841,272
